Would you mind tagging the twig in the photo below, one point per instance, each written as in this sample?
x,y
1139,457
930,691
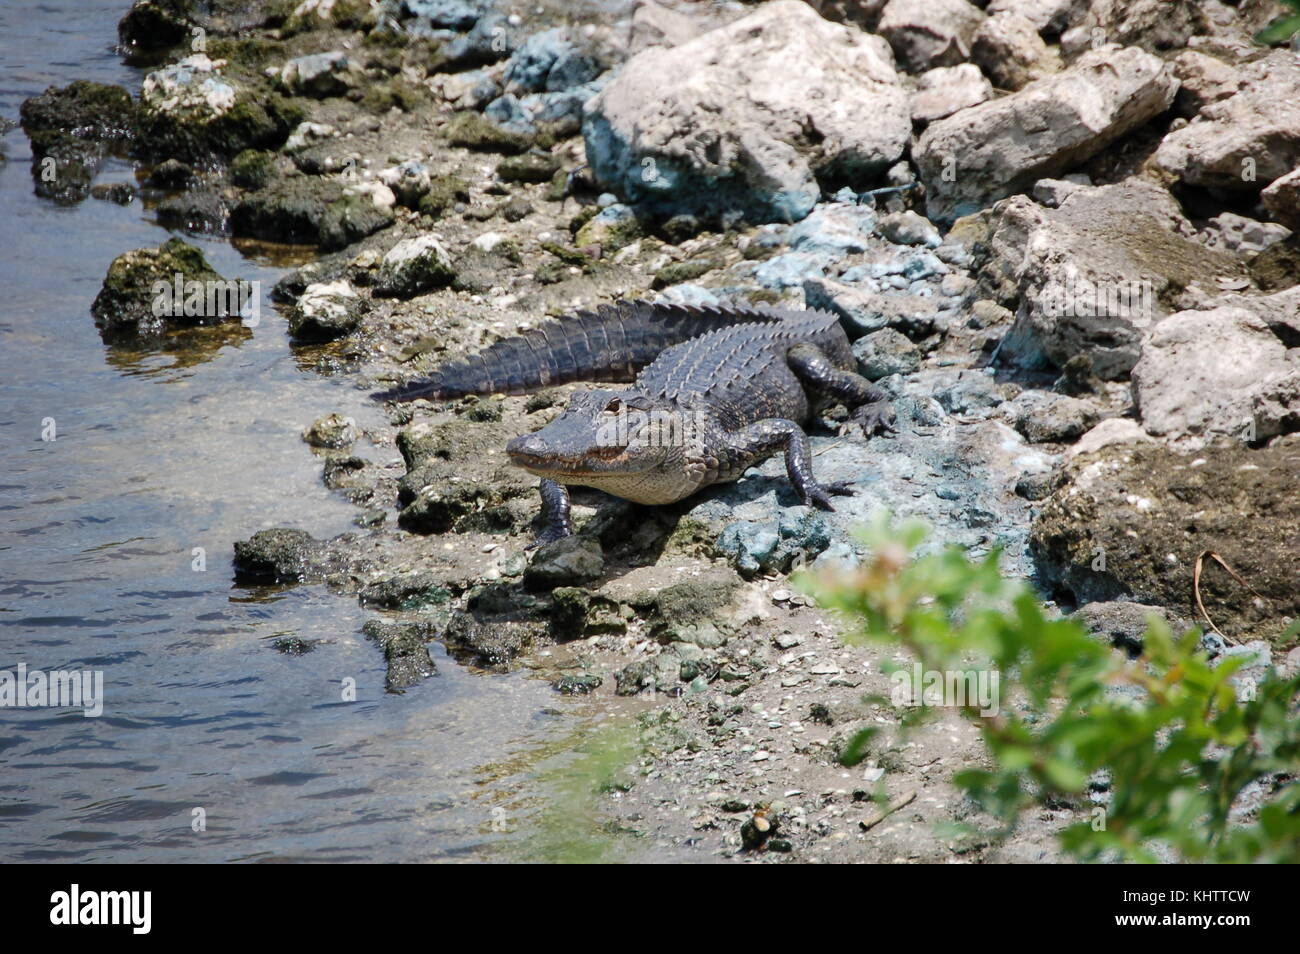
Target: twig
x,y
874,819
1196,588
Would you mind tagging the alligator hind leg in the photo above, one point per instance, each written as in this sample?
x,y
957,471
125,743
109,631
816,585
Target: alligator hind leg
x,y
762,439
868,405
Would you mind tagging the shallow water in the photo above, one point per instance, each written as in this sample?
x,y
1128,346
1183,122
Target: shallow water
x,y
196,445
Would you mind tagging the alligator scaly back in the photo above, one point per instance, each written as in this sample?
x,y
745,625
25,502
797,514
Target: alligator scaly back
x,y
611,343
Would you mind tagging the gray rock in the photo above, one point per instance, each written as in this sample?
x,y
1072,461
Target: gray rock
x,y
669,132
1238,233
1202,80
1009,50
1201,371
577,684
862,311
413,266
797,534
1042,416
656,25
886,352
1004,146
550,61
332,432
278,555
321,75
974,392
405,650
570,561
945,90
409,180
836,229
634,677
1091,277
929,33
908,228
1282,199
325,311
1245,140
1049,17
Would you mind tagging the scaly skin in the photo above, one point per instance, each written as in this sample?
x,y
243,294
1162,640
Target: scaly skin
x,y
717,392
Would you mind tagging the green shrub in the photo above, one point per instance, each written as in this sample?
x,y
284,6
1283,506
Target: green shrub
x,y
1172,736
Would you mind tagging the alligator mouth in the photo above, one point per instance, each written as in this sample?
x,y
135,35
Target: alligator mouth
x,y
598,460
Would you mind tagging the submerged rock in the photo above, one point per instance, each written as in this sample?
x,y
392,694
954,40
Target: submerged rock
x,y
669,133
405,651
72,129
279,555
149,290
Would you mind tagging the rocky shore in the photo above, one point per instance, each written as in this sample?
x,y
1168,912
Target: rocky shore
x,y
1059,233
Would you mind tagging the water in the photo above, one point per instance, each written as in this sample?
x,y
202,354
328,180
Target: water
x,y
195,445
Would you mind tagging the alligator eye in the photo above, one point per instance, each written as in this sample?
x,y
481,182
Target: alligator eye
x,y
614,406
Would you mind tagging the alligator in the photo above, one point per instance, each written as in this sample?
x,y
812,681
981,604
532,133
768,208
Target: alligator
x,y
713,392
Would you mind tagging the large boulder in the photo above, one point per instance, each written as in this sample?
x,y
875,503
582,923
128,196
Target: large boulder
x,y
1246,140
1092,276
1002,147
1130,520
673,132
190,111
1222,371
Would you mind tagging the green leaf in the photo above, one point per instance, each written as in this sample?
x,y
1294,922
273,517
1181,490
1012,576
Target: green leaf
x,y
1279,31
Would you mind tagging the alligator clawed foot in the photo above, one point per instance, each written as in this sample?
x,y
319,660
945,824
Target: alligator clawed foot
x,y
878,418
819,496
549,535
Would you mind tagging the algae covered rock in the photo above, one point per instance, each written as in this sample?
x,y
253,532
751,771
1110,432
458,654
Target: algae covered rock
x,y
1130,521
72,129
149,290
325,311
190,111
278,555
413,266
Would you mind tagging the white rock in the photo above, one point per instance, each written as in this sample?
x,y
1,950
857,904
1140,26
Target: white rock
x,y
943,91
930,33
1246,140
672,131
1003,146
1200,372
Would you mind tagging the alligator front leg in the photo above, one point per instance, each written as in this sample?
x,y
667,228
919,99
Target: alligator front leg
x,y
868,405
762,439
557,519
